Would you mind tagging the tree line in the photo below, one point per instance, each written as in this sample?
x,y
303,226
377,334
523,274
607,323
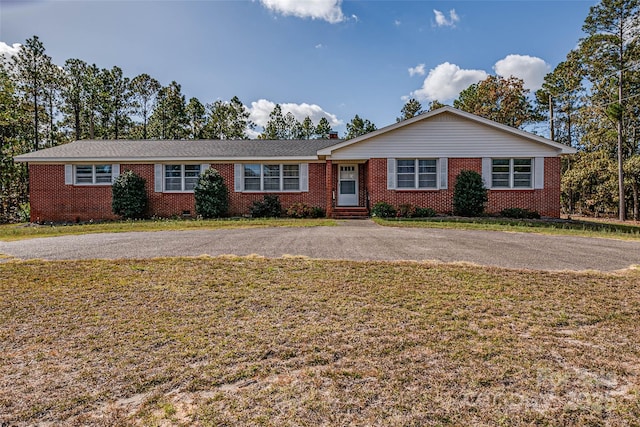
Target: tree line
x,y
591,102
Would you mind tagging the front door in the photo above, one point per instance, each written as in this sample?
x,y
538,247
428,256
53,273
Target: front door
x,y
348,185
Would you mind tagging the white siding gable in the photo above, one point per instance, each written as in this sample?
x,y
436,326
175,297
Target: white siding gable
x,y
445,135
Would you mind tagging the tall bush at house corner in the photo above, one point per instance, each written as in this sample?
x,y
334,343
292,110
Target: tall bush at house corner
x,y
469,194
129,196
211,194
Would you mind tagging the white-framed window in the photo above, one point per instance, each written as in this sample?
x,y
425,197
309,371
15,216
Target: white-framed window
x,y
271,177
511,173
93,174
416,173
181,177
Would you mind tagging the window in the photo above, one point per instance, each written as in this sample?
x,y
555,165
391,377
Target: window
x,y
93,174
290,177
252,177
181,177
511,173
269,177
417,173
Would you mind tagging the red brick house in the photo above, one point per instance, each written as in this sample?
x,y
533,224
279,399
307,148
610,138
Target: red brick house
x,y
411,162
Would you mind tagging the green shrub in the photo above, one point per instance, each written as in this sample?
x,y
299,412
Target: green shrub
x,y
299,210
383,210
129,196
406,211
211,195
317,212
411,211
270,207
23,213
519,213
302,210
469,194
424,212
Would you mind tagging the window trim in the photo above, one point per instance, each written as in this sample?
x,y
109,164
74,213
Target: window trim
x,y
182,177
416,175
93,175
281,178
532,184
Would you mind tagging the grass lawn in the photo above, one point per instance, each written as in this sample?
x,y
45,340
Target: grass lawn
x,y
248,341
28,231
583,227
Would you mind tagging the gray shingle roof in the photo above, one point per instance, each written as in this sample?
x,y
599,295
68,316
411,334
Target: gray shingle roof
x,y
198,150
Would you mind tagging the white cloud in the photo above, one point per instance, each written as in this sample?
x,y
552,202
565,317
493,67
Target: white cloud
x,y
397,22
260,110
418,69
442,21
445,82
319,46
328,10
528,68
9,51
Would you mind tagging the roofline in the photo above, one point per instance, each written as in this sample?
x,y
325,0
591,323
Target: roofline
x,y
564,149
24,158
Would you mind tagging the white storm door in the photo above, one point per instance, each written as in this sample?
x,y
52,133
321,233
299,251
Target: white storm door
x,y
348,185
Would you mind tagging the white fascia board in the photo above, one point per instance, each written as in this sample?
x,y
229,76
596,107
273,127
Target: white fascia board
x,y
145,160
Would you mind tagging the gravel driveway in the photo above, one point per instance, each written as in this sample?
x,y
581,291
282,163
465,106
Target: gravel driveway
x,y
354,240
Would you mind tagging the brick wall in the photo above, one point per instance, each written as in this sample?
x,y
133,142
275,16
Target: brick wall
x,y
162,204
545,201
239,203
52,200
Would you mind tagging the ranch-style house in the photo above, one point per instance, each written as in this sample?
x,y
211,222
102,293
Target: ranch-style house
x,y
413,162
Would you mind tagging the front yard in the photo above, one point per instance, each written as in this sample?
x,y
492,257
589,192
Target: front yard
x,y
10,232
250,341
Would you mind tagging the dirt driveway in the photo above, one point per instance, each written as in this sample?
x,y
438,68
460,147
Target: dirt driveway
x,y
354,240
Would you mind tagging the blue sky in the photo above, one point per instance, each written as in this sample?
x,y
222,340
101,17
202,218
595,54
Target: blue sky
x,y
328,58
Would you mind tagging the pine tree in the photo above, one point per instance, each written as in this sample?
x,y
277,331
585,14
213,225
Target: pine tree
x,y
410,109
358,127
74,93
323,129
196,114
144,90
276,126
32,65
228,120
610,48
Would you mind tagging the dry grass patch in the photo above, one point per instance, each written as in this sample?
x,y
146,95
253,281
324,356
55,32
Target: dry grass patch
x,y
251,341
10,232
608,229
